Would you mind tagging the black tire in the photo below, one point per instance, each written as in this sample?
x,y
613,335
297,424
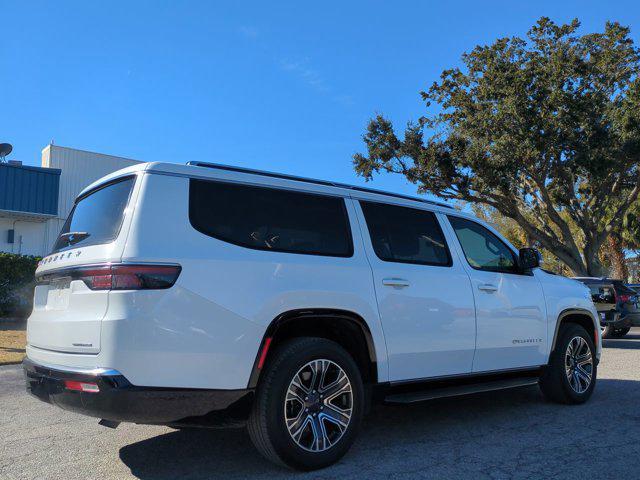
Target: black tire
x,y
266,425
608,332
620,332
554,382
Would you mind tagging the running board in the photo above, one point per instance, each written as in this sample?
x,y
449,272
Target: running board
x,y
459,390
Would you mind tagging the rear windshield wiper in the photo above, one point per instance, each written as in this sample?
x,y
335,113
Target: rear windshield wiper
x,y
74,237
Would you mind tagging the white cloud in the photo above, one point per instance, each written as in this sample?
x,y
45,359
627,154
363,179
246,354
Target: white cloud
x,y
248,32
310,76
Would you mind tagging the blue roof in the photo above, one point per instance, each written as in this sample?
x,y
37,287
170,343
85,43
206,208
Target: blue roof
x,y
29,189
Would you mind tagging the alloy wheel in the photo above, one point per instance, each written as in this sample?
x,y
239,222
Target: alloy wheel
x,y
579,364
318,405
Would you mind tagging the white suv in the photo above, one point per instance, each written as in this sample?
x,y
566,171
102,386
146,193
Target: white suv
x,y
208,295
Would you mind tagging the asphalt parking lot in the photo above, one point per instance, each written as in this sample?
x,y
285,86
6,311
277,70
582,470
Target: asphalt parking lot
x,y
514,434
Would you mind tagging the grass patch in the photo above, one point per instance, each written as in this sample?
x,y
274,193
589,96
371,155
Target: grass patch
x,y
13,341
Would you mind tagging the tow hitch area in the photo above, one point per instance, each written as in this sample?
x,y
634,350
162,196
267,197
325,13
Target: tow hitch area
x,y
108,423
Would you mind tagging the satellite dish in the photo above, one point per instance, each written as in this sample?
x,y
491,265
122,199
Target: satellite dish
x,y
5,149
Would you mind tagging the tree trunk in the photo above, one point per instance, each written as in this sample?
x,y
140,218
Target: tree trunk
x,y
591,255
572,258
615,254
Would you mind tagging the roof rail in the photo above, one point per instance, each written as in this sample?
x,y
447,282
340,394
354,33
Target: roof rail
x,y
231,168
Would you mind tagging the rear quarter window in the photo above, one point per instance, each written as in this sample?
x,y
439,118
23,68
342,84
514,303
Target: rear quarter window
x,y
270,219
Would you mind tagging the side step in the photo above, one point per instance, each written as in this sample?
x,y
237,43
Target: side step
x,y
459,390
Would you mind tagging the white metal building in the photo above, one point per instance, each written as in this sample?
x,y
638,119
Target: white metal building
x,y
30,227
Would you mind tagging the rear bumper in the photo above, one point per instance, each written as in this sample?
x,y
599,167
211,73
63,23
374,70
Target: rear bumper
x,y
120,401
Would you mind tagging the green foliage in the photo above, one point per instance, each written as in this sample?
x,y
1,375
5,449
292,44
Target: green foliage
x,y
545,130
16,283
631,228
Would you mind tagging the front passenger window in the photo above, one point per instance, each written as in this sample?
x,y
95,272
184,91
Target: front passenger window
x,y
483,250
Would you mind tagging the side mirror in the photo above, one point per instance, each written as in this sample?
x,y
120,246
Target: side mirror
x,y
529,258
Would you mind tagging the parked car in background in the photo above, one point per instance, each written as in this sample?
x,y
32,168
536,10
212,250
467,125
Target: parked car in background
x,y
206,294
618,305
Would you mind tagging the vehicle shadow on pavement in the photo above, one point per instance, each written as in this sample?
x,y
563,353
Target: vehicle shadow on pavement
x,y
194,453
514,433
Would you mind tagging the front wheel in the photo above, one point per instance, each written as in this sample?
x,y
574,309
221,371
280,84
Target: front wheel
x,y
570,376
308,406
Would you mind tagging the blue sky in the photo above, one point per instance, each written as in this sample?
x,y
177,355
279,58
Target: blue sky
x,y
282,86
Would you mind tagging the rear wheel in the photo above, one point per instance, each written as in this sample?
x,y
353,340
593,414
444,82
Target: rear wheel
x,y
308,406
570,376
620,332
611,332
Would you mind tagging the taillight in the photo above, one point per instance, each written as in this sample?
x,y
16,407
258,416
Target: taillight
x,y
624,298
129,277
121,276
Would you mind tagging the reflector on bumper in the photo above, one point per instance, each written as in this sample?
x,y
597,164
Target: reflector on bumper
x,y
81,386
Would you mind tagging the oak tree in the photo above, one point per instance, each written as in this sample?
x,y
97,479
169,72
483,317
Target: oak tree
x,y
545,129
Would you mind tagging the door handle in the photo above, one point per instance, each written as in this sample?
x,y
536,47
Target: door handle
x,y
395,282
487,287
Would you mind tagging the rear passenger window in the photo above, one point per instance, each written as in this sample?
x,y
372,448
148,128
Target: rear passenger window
x,y
270,219
405,235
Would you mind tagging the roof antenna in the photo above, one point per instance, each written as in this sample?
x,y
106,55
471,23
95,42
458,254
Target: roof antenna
x,y
5,149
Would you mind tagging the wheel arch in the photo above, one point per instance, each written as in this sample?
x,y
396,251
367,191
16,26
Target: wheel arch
x,y
578,316
344,327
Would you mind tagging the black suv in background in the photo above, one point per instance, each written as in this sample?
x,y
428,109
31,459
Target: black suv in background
x,y
617,304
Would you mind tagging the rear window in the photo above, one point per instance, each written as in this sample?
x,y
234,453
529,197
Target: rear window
x,y
602,294
96,217
622,289
270,219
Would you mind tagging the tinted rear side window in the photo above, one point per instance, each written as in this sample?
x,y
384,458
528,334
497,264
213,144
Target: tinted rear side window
x,y
97,217
405,235
270,219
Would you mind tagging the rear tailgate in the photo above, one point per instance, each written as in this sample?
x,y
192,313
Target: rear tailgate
x,y
67,316
67,313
